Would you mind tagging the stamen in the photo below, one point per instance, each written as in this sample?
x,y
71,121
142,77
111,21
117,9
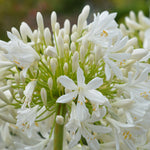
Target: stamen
x,y
74,98
36,124
16,62
104,33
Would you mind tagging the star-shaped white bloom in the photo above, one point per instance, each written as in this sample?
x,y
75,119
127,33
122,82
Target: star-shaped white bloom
x,y
85,128
19,53
82,90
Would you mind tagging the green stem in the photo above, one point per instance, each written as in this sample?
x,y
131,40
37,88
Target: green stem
x,y
59,129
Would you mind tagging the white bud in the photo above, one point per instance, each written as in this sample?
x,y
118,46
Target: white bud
x,y
73,47
74,28
132,24
17,79
139,53
123,29
75,61
61,33
132,15
82,17
91,58
44,96
65,68
15,32
53,63
60,44
141,35
50,83
40,22
53,20
129,49
131,42
57,28
60,119
98,54
74,36
20,91
47,36
67,26
66,38
4,98
35,36
7,118
82,53
51,51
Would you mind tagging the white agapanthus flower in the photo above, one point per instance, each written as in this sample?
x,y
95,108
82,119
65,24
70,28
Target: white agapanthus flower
x,y
19,53
81,89
84,128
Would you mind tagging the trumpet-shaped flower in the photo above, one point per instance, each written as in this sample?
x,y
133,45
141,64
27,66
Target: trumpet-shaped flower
x,y
19,53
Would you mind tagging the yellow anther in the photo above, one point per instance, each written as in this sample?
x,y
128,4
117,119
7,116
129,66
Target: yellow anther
x,y
81,103
125,137
94,109
86,101
104,33
88,137
94,138
124,133
91,139
36,124
120,63
23,124
74,98
144,92
16,62
145,96
130,136
135,118
124,60
78,101
149,92
141,94
128,132
22,67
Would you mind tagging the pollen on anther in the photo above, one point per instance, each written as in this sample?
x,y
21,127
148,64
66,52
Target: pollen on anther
x,y
81,103
125,137
74,98
36,124
16,62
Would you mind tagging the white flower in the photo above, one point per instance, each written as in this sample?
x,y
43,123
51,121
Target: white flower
x,y
84,128
19,53
81,89
28,93
102,29
132,135
26,118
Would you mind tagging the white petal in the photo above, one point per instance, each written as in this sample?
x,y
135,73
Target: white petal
x,y
82,111
95,83
114,68
67,82
99,129
67,97
107,72
119,56
80,76
75,139
95,96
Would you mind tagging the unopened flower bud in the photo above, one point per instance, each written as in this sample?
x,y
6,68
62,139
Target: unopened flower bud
x,y
131,42
123,29
73,47
132,24
20,91
15,32
44,96
60,119
47,36
51,51
60,44
74,36
75,61
65,68
66,38
91,58
7,118
57,28
53,20
53,63
67,26
35,36
74,28
132,15
82,17
40,23
4,98
50,83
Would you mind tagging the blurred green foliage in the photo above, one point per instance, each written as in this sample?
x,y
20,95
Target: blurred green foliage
x,y
13,12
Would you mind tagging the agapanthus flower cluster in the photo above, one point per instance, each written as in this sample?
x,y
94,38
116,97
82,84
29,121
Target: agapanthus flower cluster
x,y
80,87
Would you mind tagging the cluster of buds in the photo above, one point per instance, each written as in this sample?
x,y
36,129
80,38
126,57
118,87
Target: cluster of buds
x,y
80,87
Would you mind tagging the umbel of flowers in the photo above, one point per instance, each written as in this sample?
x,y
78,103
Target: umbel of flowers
x,y
80,87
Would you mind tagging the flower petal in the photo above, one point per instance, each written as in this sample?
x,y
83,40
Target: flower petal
x,y
96,96
95,83
80,76
67,82
67,97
